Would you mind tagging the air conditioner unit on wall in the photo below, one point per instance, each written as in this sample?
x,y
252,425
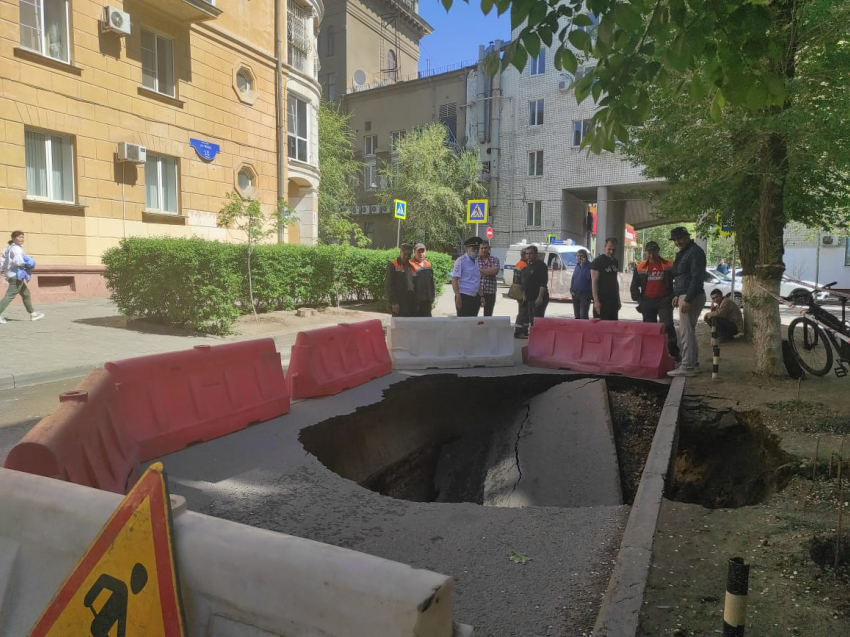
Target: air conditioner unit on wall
x,y
565,82
116,21
375,209
832,241
132,153
364,210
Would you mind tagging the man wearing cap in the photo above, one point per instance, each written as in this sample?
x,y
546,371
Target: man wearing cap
x,y
399,283
652,290
688,296
466,279
423,282
489,267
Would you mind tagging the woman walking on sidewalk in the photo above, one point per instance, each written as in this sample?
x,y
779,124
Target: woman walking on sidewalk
x,y
14,259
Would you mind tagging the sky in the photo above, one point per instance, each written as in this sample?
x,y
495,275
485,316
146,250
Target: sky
x,y
458,33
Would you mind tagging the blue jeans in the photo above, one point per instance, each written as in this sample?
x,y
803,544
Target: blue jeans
x,y
581,304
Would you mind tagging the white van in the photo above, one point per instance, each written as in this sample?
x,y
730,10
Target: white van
x,y
559,256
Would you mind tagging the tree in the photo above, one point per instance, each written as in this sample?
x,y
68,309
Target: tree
x,y
248,216
745,73
436,180
339,172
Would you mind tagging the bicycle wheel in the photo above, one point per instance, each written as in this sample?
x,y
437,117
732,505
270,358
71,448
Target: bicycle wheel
x,y
811,346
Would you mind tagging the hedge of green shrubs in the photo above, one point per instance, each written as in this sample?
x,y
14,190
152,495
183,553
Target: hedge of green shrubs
x,y
203,285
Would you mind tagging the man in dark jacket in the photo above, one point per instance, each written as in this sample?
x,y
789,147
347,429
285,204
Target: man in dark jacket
x,y
423,282
688,296
652,290
399,283
535,286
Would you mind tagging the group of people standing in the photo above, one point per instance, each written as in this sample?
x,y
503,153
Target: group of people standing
x,y
658,286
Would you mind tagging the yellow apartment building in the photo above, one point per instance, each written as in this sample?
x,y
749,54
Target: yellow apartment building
x,y
136,118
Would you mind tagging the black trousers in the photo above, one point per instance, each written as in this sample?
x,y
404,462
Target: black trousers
x,y
469,305
534,311
423,309
661,309
521,326
581,304
610,311
726,329
489,303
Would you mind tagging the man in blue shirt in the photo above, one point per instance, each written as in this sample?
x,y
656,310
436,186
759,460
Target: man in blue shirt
x,y
581,287
466,279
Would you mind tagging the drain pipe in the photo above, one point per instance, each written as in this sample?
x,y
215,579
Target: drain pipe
x,y
735,610
281,194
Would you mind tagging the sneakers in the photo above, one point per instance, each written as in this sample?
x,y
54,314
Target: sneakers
x,y
36,316
2,320
684,371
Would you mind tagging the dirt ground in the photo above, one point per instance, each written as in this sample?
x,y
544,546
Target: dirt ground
x,y
747,455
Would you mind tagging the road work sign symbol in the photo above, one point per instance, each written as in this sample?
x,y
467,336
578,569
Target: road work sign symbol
x,y
126,583
400,209
476,211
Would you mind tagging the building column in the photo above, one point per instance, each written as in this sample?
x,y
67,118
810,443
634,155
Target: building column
x,y
610,222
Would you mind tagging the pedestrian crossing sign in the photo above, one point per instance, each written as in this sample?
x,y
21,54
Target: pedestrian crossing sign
x,y
400,209
551,238
476,211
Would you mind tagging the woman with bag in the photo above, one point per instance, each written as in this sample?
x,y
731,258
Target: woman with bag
x,y
15,266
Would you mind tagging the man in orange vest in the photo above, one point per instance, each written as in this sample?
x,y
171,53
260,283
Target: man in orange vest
x,y
652,290
423,282
399,283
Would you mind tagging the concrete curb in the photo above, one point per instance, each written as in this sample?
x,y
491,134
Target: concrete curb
x,y
619,615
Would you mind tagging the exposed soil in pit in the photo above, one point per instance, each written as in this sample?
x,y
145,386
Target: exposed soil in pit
x,y
428,439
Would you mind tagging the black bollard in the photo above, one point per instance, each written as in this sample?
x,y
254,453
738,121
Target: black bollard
x,y
715,349
735,610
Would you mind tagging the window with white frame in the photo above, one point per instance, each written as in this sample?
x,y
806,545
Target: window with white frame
x,y
533,213
44,28
331,37
297,128
580,128
161,184
535,113
370,176
331,86
50,166
370,145
395,137
535,163
538,63
157,63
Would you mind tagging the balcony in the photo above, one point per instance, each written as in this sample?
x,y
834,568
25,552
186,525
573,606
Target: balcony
x,y
189,11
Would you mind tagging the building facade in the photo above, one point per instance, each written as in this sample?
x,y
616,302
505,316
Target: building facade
x,y
369,43
188,86
380,117
528,128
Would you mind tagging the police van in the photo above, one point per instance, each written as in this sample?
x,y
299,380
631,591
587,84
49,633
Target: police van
x,y
560,256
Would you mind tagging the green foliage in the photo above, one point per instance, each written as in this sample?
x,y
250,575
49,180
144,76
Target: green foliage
x,y
203,285
339,173
435,180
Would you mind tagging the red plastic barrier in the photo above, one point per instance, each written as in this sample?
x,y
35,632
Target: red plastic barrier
x,y
169,401
82,441
600,347
331,359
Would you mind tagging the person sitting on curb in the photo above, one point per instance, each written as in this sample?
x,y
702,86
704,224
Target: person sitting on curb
x,y
15,266
727,315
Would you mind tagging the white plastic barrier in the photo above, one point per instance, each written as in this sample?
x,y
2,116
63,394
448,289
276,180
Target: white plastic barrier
x,y
235,579
451,343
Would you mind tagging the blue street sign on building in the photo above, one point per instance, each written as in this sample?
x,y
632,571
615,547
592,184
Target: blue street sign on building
x,y
206,150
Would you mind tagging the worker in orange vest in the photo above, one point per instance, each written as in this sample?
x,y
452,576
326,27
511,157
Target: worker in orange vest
x,y
399,283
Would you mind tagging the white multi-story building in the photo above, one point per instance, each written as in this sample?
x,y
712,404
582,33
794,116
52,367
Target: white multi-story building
x,y
528,128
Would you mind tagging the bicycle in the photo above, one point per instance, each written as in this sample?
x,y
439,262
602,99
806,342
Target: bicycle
x,y
813,345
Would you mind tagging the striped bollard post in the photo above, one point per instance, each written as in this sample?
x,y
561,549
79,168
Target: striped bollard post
x,y
715,349
735,610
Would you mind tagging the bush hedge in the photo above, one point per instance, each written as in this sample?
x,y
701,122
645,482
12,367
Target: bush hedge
x,y
203,285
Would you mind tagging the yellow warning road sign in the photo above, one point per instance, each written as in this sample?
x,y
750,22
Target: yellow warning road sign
x,y
126,583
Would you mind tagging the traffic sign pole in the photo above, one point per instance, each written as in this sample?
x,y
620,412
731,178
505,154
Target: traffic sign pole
x,y
398,238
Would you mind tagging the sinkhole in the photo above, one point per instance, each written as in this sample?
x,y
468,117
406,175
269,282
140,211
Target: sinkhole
x,y
525,440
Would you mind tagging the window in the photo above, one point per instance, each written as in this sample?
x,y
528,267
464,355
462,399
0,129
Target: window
x,y
157,63
244,81
580,129
161,184
331,86
532,217
392,65
298,36
50,166
395,137
369,229
535,113
370,145
331,37
296,115
538,64
448,117
370,176
246,181
44,28
535,163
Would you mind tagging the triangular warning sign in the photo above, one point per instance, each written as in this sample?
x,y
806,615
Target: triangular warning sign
x,y
126,584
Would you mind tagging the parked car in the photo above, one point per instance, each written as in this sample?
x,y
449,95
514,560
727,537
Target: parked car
x,y
789,286
559,256
723,282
